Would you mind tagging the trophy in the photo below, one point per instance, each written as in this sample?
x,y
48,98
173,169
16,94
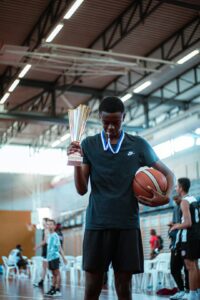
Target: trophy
x,y
77,122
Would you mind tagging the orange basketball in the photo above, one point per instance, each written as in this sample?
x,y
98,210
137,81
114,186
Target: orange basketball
x,y
149,177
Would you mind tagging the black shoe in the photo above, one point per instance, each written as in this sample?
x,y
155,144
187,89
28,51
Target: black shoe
x,y
51,292
57,293
39,284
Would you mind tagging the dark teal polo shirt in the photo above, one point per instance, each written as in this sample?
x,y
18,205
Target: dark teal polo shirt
x,y
112,204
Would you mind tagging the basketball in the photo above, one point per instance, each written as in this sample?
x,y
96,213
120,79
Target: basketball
x,y
149,177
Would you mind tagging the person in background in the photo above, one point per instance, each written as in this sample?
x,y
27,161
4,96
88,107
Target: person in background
x,y
59,233
53,256
43,245
154,244
15,258
188,236
177,261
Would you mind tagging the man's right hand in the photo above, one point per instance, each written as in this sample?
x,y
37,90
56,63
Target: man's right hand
x,y
74,147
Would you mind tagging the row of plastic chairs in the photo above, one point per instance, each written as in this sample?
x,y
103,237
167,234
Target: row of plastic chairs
x,y
156,275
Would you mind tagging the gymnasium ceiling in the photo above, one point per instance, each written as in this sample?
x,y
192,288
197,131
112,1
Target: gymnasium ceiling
x,y
153,34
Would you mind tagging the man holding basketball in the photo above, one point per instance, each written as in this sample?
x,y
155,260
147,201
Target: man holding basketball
x,y
112,232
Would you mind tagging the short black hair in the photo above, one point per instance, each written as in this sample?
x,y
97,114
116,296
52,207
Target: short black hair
x,y
184,182
52,221
111,105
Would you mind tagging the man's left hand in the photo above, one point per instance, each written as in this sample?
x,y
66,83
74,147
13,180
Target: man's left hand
x,y
157,199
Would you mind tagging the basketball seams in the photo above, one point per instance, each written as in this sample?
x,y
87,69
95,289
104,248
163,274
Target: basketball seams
x,y
153,179
142,187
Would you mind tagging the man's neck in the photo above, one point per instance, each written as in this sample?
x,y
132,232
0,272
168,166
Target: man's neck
x,y
183,194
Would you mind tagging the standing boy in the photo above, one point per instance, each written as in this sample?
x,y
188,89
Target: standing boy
x,y
53,254
188,236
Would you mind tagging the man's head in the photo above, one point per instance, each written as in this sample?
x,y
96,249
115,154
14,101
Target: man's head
x,y
44,221
111,112
19,247
152,232
51,225
58,226
183,186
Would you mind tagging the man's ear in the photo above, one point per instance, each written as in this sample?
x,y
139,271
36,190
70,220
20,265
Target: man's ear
x,y
100,116
124,115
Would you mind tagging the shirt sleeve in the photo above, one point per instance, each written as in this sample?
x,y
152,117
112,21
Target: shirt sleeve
x,y
148,155
84,145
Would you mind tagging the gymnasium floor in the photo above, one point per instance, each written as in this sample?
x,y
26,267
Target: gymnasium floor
x,y
16,289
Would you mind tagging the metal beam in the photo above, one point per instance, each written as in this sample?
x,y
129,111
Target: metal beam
x,y
179,89
172,47
130,19
49,18
182,4
46,119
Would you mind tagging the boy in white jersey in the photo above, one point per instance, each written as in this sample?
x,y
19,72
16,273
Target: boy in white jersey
x,y
190,244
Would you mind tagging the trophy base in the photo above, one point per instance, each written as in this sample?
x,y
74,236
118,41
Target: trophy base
x,y
75,160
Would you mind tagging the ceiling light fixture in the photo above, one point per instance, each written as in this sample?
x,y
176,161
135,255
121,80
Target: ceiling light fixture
x,y
72,9
126,97
4,98
142,87
188,56
24,71
56,143
14,85
65,137
54,32
197,131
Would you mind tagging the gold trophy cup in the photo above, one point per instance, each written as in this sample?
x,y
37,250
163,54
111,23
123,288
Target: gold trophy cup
x,y
77,122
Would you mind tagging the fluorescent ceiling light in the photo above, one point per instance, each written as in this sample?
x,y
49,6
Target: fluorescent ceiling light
x,y
54,32
198,142
4,98
24,71
62,139
72,9
65,137
126,97
56,143
142,86
187,57
197,131
14,85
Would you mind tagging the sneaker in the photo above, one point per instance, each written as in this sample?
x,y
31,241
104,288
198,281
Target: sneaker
x,y
57,293
178,295
39,284
51,292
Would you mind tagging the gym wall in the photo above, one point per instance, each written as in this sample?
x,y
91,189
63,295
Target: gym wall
x,y
14,231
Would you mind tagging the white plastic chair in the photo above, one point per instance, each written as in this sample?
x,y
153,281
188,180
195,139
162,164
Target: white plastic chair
x,y
157,273
68,268
36,268
79,274
150,275
8,267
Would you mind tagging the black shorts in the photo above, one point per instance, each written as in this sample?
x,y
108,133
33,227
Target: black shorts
x,y
54,264
190,249
122,248
22,263
44,251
